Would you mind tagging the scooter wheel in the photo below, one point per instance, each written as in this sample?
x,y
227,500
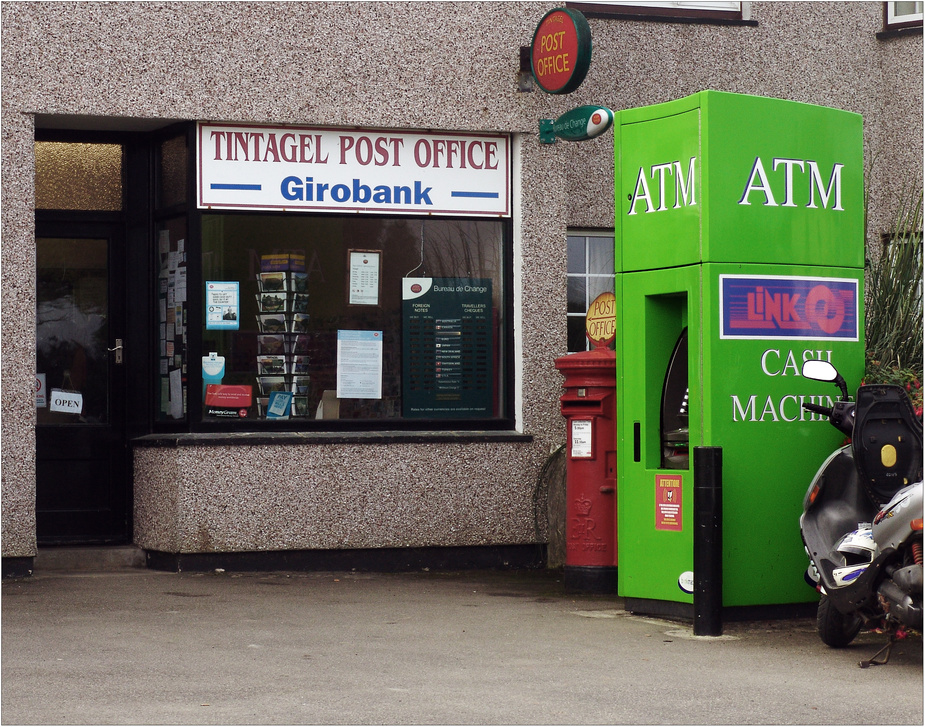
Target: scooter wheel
x,y
835,628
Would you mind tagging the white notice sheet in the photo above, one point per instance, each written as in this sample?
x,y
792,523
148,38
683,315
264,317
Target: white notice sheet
x,y
364,278
359,364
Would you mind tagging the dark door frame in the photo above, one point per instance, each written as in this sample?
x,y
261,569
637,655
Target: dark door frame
x,y
130,299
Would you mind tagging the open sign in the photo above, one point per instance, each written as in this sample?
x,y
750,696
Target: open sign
x,y
69,402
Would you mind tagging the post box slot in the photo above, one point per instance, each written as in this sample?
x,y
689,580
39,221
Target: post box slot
x,y
596,398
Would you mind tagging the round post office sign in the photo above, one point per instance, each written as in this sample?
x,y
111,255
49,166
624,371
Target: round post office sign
x,y
561,51
601,320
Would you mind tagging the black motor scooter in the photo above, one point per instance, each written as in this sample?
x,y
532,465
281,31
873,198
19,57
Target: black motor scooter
x,y
862,516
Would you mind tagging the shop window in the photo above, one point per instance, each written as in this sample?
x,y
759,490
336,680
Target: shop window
x,y
78,176
174,288
590,273
898,15
717,11
320,321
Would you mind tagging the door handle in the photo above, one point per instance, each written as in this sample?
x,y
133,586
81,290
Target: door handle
x,y
118,351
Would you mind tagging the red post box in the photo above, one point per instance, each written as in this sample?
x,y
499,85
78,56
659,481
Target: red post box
x,y
589,405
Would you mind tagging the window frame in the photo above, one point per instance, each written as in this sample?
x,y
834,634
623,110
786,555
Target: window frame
x,y
308,426
193,425
677,11
586,275
891,23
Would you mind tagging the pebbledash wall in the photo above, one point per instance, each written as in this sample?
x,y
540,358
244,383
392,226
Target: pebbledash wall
x,y
400,66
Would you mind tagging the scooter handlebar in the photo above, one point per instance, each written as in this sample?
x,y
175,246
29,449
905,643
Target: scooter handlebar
x,y
818,409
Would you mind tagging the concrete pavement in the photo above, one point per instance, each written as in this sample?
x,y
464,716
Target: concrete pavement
x,y
142,647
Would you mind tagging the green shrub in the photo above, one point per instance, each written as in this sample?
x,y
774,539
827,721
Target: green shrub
x,y
893,301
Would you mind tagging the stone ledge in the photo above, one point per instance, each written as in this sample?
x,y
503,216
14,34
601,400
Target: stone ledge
x,y
224,439
381,560
80,558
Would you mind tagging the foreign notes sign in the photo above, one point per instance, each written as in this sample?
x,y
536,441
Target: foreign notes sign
x,y
345,170
448,349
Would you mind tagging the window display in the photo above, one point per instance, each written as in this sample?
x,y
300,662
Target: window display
x,y
172,311
309,319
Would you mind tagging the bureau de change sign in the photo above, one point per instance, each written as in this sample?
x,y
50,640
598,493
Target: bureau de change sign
x,y
447,348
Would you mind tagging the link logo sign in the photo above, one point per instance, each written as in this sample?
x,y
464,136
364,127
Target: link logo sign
x,y
341,170
776,307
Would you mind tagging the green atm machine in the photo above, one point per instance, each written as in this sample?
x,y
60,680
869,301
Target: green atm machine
x,y
739,255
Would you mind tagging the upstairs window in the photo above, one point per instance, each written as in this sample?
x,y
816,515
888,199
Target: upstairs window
x,y
717,11
898,15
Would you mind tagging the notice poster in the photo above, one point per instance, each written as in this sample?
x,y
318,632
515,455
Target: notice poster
x,y
41,392
359,364
582,436
668,502
364,277
230,401
172,298
176,394
447,348
222,305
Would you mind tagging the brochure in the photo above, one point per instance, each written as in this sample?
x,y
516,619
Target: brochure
x,y
232,401
272,322
279,404
272,302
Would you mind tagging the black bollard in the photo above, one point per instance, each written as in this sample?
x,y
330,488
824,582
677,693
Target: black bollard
x,y
708,541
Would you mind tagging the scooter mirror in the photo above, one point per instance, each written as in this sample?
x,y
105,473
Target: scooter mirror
x,y
819,370
824,371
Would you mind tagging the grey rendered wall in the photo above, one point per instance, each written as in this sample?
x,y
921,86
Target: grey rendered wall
x,y
445,66
824,53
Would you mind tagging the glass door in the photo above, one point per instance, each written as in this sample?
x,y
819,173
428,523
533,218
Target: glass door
x,y
82,468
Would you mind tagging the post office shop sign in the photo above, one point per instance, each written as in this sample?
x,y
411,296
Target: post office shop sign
x,y
560,54
338,170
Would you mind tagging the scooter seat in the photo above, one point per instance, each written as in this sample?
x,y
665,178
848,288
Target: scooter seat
x,y
887,441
